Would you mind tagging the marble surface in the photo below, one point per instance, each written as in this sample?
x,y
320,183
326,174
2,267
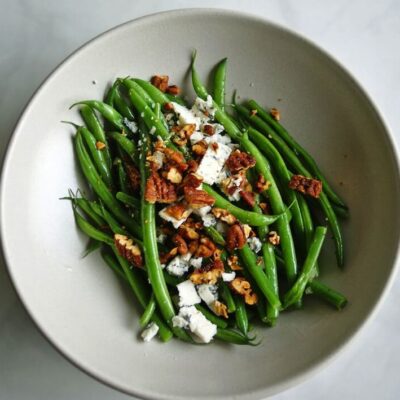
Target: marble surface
x,y
36,35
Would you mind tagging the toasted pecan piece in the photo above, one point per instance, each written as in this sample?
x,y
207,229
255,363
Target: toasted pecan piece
x,y
224,215
209,274
100,145
197,198
192,166
235,238
165,257
309,186
233,262
220,309
179,241
192,180
248,198
173,175
275,113
168,106
262,184
241,286
175,158
240,161
160,82
188,231
206,247
177,211
173,89
159,190
200,148
208,129
128,250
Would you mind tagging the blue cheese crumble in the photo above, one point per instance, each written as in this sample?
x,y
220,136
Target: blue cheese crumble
x,y
179,265
150,331
187,294
255,244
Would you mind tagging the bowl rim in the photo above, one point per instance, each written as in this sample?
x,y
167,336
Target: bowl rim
x,y
182,12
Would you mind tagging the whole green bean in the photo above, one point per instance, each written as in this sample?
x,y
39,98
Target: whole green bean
x,y
242,320
148,312
308,160
156,95
219,84
297,290
100,188
212,317
231,336
328,294
108,112
244,216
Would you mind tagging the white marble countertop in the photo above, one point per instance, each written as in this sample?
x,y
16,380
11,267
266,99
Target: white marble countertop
x,y
37,34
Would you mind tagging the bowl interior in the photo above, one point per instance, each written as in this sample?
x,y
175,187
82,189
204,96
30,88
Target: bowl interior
x,y
82,307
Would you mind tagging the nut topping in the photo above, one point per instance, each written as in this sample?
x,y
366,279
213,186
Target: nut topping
x,y
235,237
310,186
128,250
160,82
239,161
241,286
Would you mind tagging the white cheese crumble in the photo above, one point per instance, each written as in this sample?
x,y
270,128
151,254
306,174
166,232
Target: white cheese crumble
x,y
228,276
175,222
150,331
212,163
196,137
196,262
179,265
185,116
161,238
202,329
131,125
201,108
208,293
208,220
187,294
254,243
221,227
152,131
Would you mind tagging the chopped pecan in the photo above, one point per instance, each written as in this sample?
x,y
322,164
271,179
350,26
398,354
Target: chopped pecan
x,y
175,158
100,145
233,262
179,139
248,198
197,198
160,82
128,250
156,160
177,211
189,230
265,208
235,238
165,257
241,286
168,106
217,254
240,161
206,247
262,184
275,113
310,186
200,148
173,175
192,180
133,175
193,165
214,146
193,246
224,215
220,309
274,238
180,243
209,274
159,190
173,89
208,129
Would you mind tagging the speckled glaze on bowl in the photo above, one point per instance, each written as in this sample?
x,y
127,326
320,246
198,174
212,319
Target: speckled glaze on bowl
x,y
82,308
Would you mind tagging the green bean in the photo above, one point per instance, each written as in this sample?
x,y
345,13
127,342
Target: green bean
x,y
214,235
92,246
231,336
212,317
227,297
110,96
308,160
112,223
100,188
296,291
97,156
176,99
122,178
298,166
85,206
148,312
121,105
128,200
341,212
126,144
262,166
114,266
94,126
241,318
219,84
324,292
131,84
91,231
244,216
249,260
108,112
137,285
155,272
156,95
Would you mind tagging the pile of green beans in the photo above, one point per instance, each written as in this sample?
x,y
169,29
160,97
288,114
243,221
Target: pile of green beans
x,y
123,128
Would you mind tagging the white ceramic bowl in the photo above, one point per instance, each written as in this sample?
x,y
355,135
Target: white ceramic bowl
x,y
80,305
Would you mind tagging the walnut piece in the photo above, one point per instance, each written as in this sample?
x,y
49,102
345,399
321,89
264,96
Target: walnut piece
x,y
160,82
309,186
275,113
239,161
274,238
220,309
224,215
128,250
235,238
233,262
241,286
197,198
208,274
159,190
